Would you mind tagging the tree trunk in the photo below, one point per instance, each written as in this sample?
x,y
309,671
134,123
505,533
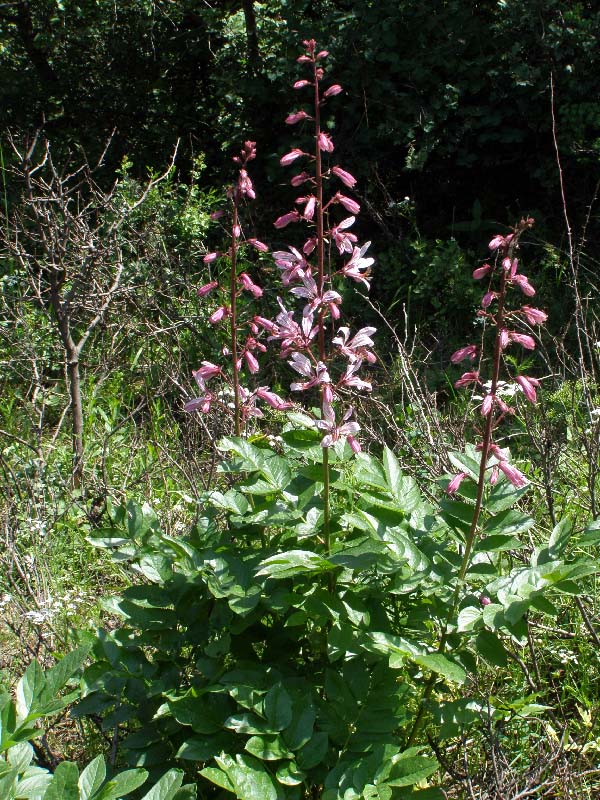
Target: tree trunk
x,y
251,37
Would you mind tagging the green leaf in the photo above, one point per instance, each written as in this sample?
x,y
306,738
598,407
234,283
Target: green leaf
x,y
509,523
34,785
465,463
498,543
557,544
300,729
490,647
64,785
204,748
29,689
404,489
123,783
313,752
591,534
248,777
218,777
289,774
92,778
468,618
167,786
411,769
293,562
442,665
20,756
278,707
503,496
267,748
369,471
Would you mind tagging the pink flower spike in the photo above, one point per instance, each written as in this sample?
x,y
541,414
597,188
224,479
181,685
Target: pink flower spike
x,y
528,386
517,478
249,285
481,272
302,60
333,90
325,143
207,288
285,219
221,313
290,157
354,444
456,481
346,178
322,54
504,339
470,351
494,475
466,379
272,399
533,315
297,116
258,245
210,257
245,186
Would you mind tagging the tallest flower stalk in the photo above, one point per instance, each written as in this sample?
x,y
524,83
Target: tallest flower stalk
x,y
327,359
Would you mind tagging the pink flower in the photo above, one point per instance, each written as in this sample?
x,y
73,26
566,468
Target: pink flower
x,y
298,180
210,257
272,399
325,143
335,432
285,219
292,265
504,339
258,245
484,600
528,386
346,178
249,285
302,84
512,473
488,404
349,204
245,186
455,483
481,272
332,91
533,315
359,268
218,315
470,351
523,284
322,54
206,371
216,215
523,339
354,444
358,346
309,208
290,157
297,116
199,403
500,242
488,299
467,378
251,362
351,380
237,231
344,241
207,288
309,245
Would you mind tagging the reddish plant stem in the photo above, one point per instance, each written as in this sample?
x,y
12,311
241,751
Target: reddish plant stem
x,y
233,309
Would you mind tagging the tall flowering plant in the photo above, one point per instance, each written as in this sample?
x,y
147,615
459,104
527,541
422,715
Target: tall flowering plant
x,y
244,340
326,358
325,354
